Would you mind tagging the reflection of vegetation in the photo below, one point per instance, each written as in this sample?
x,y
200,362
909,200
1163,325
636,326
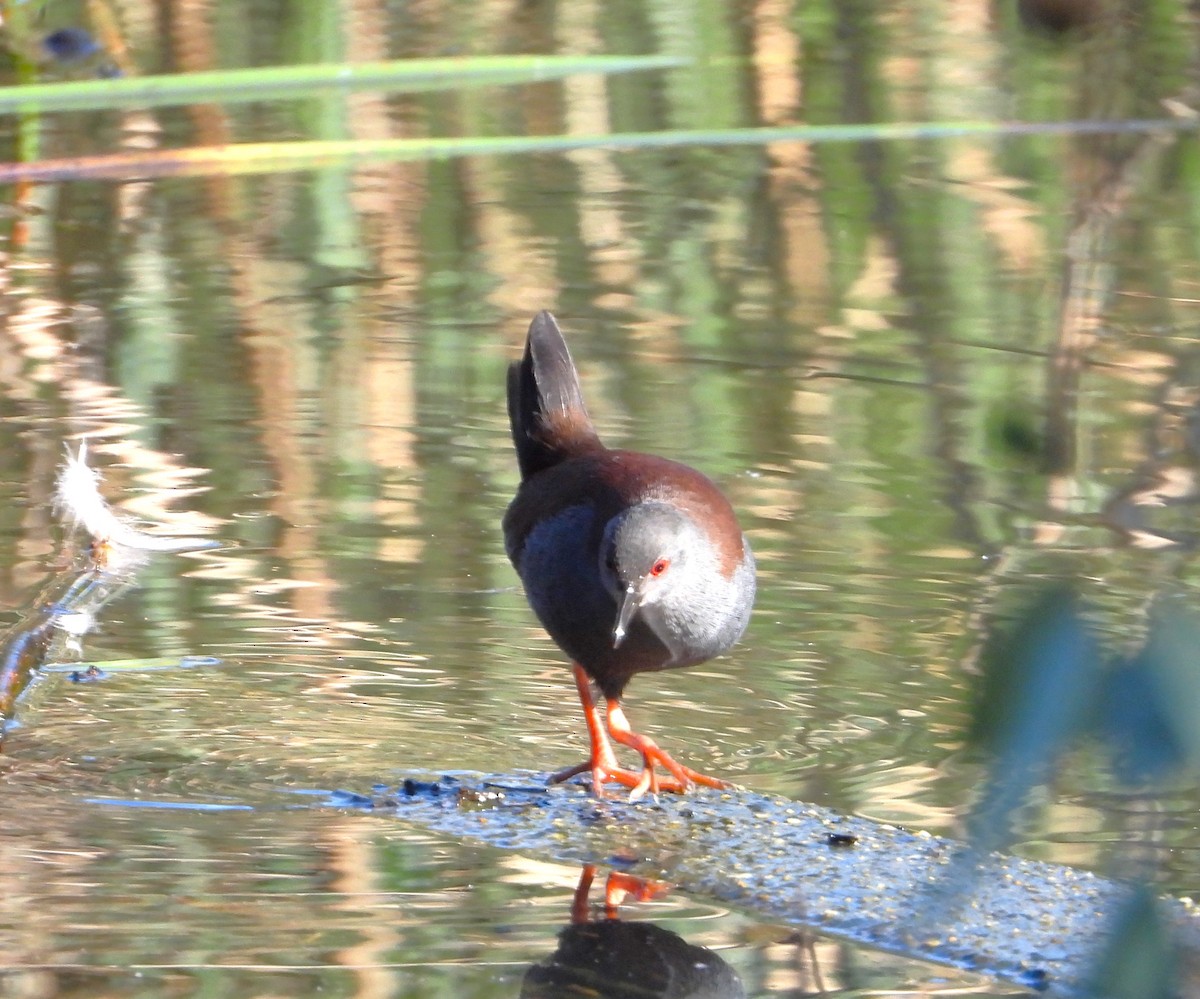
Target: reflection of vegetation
x,y
703,103
831,330
1047,685
345,398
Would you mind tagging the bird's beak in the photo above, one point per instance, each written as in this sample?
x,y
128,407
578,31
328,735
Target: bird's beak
x,y
630,603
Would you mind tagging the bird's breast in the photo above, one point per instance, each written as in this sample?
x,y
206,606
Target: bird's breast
x,y
559,564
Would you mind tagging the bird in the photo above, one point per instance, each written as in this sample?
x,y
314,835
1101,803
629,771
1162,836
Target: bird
x,y
612,958
632,562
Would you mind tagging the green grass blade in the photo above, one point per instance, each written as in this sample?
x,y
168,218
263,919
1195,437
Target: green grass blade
x,y
271,157
288,82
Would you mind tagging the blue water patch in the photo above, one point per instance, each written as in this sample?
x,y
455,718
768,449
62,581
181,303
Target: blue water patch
x,y
181,806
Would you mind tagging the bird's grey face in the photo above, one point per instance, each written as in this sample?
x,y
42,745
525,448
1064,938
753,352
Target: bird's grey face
x,y
644,553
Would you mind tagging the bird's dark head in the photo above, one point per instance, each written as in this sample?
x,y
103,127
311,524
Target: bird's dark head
x,y
652,557
661,565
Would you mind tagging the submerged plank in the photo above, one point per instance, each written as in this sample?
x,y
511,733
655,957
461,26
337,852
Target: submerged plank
x,y
1030,923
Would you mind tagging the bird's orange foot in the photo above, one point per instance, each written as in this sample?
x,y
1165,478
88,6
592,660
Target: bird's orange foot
x,y
641,781
603,764
681,777
609,771
620,887
617,889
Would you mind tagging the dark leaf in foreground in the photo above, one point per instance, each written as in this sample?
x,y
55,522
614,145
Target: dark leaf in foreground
x,y
1139,961
1035,697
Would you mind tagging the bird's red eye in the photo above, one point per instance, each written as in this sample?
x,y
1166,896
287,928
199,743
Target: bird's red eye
x,y
659,567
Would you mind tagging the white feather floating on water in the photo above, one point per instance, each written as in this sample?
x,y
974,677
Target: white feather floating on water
x,y
78,499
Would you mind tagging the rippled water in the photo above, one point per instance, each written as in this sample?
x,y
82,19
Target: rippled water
x,y
864,345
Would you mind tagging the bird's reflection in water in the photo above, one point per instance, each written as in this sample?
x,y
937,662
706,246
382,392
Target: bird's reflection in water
x,y
608,958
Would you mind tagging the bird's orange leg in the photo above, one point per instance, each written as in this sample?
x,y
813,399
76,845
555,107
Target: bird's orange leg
x,y
579,904
602,763
617,888
683,777
620,887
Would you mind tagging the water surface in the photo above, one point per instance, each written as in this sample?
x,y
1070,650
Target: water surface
x,y
928,375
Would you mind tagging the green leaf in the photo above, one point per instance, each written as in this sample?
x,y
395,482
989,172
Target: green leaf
x,y
1039,684
1139,960
233,86
1038,693
1152,703
272,157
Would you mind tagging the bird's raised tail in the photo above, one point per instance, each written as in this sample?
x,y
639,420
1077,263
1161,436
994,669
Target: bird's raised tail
x,y
545,402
